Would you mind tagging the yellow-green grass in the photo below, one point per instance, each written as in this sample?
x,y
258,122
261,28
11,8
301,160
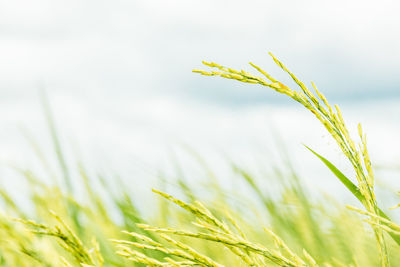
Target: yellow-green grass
x,y
225,229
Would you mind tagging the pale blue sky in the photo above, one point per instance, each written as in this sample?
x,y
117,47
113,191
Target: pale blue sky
x,y
135,48
119,78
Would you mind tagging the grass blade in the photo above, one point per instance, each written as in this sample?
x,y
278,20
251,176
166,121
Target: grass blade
x,y
352,188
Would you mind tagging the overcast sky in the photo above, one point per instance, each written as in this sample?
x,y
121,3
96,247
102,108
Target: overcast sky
x,y
118,73
349,48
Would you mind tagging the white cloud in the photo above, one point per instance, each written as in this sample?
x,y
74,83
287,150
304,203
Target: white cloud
x,y
119,73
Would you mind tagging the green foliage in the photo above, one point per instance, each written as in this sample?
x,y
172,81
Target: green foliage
x,y
286,228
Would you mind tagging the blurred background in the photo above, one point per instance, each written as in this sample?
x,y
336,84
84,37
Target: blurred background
x,y
117,75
